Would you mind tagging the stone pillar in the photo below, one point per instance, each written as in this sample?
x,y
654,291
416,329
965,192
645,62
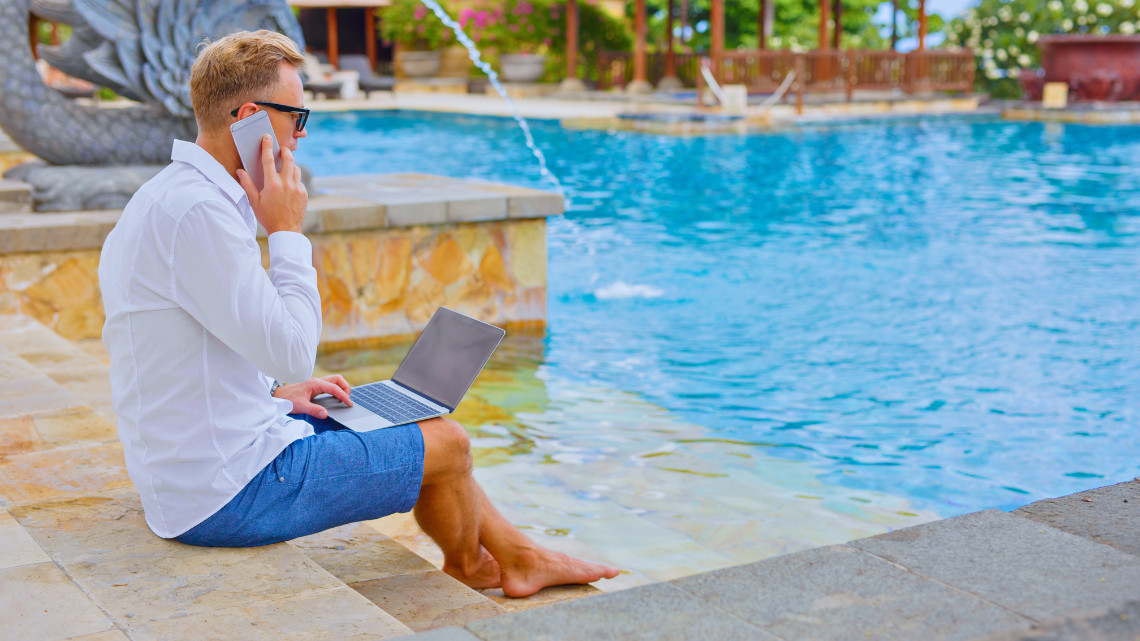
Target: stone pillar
x,y
824,17
571,82
670,82
640,82
716,31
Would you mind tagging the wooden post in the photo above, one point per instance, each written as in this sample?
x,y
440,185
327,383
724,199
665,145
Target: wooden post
x,y
894,25
850,75
762,24
571,39
716,31
670,55
370,36
799,68
922,25
835,36
334,55
640,82
824,17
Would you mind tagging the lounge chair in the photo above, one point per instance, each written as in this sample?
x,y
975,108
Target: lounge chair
x,y
368,81
318,79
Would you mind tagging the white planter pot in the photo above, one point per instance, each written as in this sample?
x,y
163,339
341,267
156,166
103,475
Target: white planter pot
x,y
522,67
420,64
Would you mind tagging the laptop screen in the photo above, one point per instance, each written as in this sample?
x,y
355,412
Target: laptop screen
x,y
448,355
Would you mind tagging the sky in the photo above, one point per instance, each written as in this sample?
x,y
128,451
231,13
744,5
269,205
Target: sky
x,y
947,8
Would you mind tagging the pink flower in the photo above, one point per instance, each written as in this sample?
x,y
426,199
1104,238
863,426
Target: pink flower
x,y
421,11
481,19
546,42
513,28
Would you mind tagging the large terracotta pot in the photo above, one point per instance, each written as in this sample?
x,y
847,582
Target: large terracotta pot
x,y
419,64
522,67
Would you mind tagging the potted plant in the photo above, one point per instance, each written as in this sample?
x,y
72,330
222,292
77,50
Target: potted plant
x,y
519,30
418,35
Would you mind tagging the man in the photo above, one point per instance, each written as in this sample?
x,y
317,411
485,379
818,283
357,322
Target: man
x,y
198,331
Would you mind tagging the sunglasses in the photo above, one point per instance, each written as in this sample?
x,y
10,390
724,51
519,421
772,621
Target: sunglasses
x,y
302,113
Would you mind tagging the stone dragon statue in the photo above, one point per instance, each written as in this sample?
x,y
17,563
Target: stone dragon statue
x,y
141,49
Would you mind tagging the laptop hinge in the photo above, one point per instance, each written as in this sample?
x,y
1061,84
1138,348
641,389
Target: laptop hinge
x,y
419,393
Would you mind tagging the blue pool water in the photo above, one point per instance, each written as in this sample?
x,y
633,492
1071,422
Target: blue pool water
x,y
946,310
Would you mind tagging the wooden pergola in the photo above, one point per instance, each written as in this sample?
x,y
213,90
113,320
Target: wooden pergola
x,y
331,6
765,18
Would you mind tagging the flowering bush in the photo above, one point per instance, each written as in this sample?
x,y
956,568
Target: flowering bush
x,y
410,24
1004,33
511,26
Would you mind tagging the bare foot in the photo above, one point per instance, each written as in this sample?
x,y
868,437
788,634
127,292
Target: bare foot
x,y
541,568
487,575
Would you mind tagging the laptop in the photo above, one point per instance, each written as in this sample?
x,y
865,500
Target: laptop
x,y
431,380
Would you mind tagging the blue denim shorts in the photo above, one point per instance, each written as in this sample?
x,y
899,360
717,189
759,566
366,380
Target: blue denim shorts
x,y
333,477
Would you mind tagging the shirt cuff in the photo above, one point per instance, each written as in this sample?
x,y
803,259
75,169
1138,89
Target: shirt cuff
x,y
291,246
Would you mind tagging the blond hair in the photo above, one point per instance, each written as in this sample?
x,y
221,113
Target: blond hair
x,y
239,68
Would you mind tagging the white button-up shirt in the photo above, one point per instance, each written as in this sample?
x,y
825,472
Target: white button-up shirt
x,y
195,329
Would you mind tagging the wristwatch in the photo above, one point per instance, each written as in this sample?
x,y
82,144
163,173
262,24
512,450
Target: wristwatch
x,y
274,386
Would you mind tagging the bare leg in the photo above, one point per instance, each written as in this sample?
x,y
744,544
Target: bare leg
x,y
480,547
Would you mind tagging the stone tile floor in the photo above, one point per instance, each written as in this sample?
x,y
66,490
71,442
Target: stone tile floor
x,y
77,561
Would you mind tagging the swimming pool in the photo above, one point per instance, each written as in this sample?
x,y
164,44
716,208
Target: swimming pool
x,y
942,312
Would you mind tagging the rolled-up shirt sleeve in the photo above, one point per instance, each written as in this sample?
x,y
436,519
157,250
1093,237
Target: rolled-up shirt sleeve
x,y
272,320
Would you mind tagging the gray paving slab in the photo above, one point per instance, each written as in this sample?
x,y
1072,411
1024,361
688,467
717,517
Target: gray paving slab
x,y
1108,515
839,592
1118,623
659,612
1022,565
443,634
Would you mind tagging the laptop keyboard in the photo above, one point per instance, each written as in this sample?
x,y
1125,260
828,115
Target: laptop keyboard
x,y
391,405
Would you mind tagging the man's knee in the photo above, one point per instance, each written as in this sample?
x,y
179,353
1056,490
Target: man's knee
x,y
447,448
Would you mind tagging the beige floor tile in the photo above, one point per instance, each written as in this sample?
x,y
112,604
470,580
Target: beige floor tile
x,y
167,579
75,426
92,385
75,528
358,552
16,546
18,435
428,600
404,529
548,596
14,368
45,350
39,603
109,635
336,615
33,394
60,472
37,432
94,347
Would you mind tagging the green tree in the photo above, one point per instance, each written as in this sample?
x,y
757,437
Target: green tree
x,y
796,23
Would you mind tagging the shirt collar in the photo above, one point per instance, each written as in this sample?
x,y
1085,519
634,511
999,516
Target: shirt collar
x,y
213,170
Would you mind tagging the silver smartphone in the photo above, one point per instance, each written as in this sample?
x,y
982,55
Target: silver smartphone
x,y
247,134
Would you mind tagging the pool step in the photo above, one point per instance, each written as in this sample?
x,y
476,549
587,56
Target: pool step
x,y
15,197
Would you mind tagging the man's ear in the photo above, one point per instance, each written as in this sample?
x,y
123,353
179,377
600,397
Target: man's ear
x,y
247,110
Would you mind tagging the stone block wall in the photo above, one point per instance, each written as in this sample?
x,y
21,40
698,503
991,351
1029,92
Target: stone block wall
x,y
389,250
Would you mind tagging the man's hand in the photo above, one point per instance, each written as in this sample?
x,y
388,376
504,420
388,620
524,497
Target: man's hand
x,y
301,394
280,205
